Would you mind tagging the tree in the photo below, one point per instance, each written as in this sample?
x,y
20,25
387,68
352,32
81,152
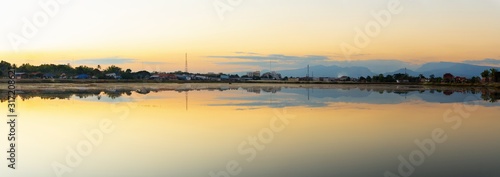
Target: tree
x,y
362,79
474,80
113,69
368,79
381,78
97,73
389,78
4,67
84,70
493,72
485,74
143,75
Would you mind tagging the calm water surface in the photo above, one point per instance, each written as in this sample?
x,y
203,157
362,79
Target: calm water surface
x,y
259,132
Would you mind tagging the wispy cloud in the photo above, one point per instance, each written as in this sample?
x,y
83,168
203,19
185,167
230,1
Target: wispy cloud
x,y
154,63
484,62
278,61
101,61
284,62
110,61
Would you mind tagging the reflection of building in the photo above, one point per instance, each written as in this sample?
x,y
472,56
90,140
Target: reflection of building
x,y
271,89
253,89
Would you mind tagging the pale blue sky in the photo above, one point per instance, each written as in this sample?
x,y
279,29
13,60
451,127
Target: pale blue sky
x,y
157,30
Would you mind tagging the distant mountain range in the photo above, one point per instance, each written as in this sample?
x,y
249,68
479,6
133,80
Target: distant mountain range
x,y
436,68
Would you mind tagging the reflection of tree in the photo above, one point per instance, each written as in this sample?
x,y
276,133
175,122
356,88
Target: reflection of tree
x,y
61,94
490,96
486,94
113,94
448,92
401,92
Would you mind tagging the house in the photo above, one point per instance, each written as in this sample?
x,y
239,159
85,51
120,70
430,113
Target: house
x,y
21,75
82,76
36,75
163,76
111,75
344,78
48,76
271,76
253,74
183,77
63,76
326,79
293,79
224,77
459,79
448,77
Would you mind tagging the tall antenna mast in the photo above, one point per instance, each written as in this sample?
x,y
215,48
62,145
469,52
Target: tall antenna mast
x,y
307,71
186,69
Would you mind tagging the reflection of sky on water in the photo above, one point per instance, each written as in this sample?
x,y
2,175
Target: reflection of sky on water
x,y
161,137
277,97
287,97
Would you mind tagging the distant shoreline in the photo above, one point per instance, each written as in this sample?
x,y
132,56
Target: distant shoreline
x,y
43,84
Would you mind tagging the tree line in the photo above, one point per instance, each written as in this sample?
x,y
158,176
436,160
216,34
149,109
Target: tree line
x,y
67,69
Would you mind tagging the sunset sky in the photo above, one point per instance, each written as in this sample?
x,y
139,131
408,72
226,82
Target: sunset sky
x,y
154,35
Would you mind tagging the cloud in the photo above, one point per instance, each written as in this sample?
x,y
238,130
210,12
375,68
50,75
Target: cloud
x,y
247,53
101,61
278,61
154,63
484,62
275,57
285,62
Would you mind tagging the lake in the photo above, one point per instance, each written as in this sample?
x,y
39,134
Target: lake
x,y
257,131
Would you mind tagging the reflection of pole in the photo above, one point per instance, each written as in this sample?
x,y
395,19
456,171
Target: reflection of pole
x,y
186,100
307,93
186,69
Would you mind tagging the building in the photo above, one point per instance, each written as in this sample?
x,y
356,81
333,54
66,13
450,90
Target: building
x,y
224,77
48,76
82,76
271,76
459,79
184,77
21,75
253,74
111,75
163,76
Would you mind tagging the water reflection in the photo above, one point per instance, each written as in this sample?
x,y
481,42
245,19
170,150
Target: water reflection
x,y
282,95
191,131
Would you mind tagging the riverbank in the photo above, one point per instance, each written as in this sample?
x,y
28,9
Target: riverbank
x,y
82,86
42,83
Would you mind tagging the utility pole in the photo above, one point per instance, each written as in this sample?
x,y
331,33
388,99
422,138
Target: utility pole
x,y
307,72
186,69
